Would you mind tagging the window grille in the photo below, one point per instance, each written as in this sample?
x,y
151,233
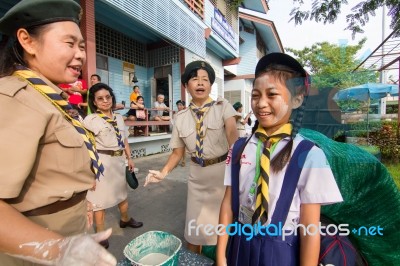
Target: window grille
x,y
197,7
117,45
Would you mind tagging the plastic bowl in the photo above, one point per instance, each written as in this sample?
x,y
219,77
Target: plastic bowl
x,y
153,248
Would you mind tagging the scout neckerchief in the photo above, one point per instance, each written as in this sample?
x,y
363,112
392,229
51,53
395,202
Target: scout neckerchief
x,y
200,113
262,198
48,92
113,122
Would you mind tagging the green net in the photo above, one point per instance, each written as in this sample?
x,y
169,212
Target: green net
x,y
371,198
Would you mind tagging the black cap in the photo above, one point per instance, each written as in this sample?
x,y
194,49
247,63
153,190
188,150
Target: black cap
x,y
28,13
237,105
279,59
194,66
180,102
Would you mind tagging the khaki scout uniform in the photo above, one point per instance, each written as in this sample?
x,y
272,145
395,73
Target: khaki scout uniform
x,y
43,159
205,184
240,127
111,189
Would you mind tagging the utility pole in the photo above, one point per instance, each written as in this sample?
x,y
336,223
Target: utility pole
x,y
382,76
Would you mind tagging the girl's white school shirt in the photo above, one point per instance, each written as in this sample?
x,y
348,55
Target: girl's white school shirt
x,y
316,183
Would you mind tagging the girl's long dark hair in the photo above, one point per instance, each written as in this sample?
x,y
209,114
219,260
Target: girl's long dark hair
x,y
297,84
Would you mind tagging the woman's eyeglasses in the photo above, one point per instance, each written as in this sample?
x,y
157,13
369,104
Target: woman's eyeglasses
x,y
104,99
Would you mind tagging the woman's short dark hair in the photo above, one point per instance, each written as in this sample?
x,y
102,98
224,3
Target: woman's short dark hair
x,y
12,53
95,88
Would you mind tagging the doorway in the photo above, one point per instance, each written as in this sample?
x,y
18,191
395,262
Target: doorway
x,y
162,87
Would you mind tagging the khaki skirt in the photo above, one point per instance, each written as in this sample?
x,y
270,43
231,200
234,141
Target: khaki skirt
x,y
111,188
205,193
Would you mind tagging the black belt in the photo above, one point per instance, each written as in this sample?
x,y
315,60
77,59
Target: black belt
x,y
212,161
57,206
111,153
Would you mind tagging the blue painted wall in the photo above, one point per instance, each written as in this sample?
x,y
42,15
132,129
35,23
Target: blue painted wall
x,y
144,75
248,54
176,84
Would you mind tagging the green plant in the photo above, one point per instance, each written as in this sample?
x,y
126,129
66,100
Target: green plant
x,y
235,3
387,140
394,170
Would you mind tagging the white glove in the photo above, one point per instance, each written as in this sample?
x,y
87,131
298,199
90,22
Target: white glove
x,y
154,177
85,250
82,250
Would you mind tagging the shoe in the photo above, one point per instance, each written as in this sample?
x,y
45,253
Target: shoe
x,y
105,243
131,223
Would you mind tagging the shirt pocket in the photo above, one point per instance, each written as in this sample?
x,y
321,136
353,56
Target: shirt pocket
x,y
107,137
216,134
72,153
188,135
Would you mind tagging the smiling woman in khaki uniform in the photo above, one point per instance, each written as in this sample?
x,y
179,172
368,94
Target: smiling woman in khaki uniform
x,y
213,124
45,164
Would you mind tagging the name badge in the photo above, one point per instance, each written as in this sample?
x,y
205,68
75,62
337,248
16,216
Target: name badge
x,y
245,214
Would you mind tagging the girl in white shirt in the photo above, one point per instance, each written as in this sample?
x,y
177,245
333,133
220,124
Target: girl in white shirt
x,y
280,87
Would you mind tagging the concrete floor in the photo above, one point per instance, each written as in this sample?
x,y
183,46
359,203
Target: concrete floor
x,y
159,206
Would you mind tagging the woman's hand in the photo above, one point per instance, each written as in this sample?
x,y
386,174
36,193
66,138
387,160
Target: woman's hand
x,y
89,214
131,165
85,250
154,177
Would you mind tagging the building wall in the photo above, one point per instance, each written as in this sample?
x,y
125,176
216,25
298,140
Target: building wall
x,y
248,54
176,84
169,19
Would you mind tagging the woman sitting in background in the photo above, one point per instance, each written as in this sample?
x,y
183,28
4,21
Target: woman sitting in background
x,y
137,113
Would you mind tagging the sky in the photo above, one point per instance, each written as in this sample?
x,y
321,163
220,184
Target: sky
x,y
310,32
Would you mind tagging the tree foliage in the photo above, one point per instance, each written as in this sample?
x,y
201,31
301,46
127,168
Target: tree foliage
x,y
331,67
327,11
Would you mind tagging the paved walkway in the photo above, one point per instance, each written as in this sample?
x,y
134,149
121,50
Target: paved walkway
x,y
159,206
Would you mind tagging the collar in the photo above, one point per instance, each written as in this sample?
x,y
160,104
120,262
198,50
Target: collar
x,y
254,139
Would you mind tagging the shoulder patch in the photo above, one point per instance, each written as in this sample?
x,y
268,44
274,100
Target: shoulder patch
x,y
10,85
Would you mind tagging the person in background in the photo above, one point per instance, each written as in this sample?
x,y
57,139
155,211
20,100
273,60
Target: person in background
x,y
280,87
206,130
75,91
47,159
161,112
137,113
240,121
135,93
135,106
181,105
94,78
161,109
113,147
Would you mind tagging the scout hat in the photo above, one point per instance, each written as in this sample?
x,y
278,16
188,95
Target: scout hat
x,y
196,65
180,102
279,59
237,105
28,13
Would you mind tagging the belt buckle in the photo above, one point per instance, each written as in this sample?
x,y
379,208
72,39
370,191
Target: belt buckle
x,y
118,153
211,161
